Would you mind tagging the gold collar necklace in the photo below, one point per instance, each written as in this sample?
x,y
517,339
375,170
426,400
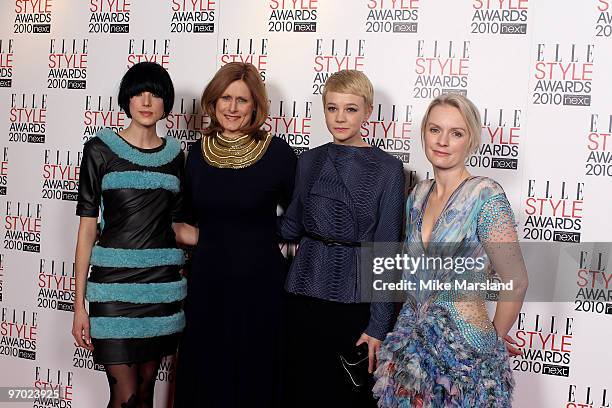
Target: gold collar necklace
x,y
224,153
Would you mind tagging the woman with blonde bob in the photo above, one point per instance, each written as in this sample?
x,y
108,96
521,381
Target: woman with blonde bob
x,y
229,355
444,350
347,193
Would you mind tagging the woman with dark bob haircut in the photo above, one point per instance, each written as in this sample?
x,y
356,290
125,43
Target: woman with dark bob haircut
x,y
135,288
229,355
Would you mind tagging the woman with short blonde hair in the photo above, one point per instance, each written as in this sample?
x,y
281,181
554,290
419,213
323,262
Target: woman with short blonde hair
x,y
347,193
444,350
468,111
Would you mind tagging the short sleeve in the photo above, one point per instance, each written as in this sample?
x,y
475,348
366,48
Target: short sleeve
x,y
496,222
90,180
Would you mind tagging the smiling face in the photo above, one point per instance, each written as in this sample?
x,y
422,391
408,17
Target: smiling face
x,y
344,115
234,108
446,138
146,109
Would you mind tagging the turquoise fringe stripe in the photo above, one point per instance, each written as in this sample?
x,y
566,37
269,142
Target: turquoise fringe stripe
x,y
136,327
127,152
140,180
167,292
135,258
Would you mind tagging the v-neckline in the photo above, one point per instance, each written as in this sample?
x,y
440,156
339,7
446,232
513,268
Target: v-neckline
x,y
437,220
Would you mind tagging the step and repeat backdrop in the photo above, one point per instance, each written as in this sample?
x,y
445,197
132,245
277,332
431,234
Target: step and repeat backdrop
x,y
539,70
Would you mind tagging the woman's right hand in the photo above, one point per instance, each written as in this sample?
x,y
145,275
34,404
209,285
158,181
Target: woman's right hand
x,y
80,329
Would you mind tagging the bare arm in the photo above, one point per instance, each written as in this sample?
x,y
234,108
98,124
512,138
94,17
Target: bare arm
x,y
85,241
507,260
497,232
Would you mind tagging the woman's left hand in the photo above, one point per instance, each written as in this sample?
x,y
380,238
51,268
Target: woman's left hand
x,y
186,234
373,346
510,346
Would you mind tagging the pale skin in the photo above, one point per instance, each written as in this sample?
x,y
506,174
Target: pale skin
x,y
146,109
446,144
344,115
234,109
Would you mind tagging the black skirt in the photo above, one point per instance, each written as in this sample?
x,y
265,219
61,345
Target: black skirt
x,y
316,332
134,350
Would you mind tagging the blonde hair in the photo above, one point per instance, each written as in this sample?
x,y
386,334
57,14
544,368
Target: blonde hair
x,y
350,81
468,111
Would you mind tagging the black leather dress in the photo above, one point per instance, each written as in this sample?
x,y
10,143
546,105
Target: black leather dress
x,y
135,288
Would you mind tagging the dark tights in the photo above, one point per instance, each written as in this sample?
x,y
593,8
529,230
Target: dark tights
x,y
131,385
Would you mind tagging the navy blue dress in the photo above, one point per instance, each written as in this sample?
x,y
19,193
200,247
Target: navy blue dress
x,y
229,355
